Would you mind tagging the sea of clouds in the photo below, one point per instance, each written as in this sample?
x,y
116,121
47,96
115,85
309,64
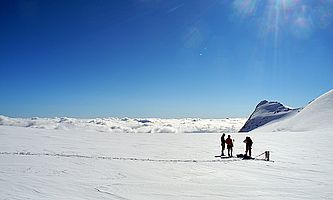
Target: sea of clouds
x,y
130,125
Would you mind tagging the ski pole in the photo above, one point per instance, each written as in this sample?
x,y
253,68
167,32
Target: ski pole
x,y
259,155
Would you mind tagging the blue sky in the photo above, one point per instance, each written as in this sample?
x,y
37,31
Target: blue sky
x,y
154,58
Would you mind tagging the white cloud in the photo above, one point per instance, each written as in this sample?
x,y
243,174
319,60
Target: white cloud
x,y
129,125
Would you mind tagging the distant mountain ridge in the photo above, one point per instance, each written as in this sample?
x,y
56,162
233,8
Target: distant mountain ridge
x,y
266,112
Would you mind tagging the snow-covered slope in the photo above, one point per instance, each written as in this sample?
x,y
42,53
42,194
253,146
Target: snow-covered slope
x,y
266,112
316,115
129,125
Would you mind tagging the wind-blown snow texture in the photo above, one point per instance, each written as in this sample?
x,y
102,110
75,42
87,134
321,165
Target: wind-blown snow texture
x,y
89,164
266,112
128,125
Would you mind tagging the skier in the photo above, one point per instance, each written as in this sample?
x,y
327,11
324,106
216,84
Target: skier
x,y
248,147
222,144
229,145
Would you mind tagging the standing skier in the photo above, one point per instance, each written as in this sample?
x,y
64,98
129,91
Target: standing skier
x,y
248,147
230,145
222,144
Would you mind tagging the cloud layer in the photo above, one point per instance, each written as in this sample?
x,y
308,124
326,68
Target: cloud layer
x,y
130,125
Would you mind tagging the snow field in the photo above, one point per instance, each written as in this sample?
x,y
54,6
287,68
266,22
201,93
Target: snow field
x,y
296,173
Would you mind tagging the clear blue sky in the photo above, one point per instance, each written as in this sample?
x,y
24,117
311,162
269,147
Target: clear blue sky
x,y
154,58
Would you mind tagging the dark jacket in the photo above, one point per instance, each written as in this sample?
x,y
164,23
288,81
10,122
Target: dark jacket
x,y
222,141
248,142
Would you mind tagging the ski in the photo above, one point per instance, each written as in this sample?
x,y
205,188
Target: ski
x,y
223,157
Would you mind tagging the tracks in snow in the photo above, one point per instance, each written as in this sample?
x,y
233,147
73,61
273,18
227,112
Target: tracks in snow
x,y
117,158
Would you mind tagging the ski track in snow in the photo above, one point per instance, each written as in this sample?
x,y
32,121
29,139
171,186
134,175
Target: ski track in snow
x,y
120,158
111,194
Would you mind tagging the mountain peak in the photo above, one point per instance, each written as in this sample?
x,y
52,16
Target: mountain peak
x,y
318,114
265,112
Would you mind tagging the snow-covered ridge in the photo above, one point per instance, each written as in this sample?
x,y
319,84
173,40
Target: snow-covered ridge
x,y
318,114
266,112
130,125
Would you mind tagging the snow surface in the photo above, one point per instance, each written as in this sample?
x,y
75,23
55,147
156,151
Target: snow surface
x,y
128,125
266,112
86,163
73,164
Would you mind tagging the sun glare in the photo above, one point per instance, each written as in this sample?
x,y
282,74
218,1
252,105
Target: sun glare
x,y
299,17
